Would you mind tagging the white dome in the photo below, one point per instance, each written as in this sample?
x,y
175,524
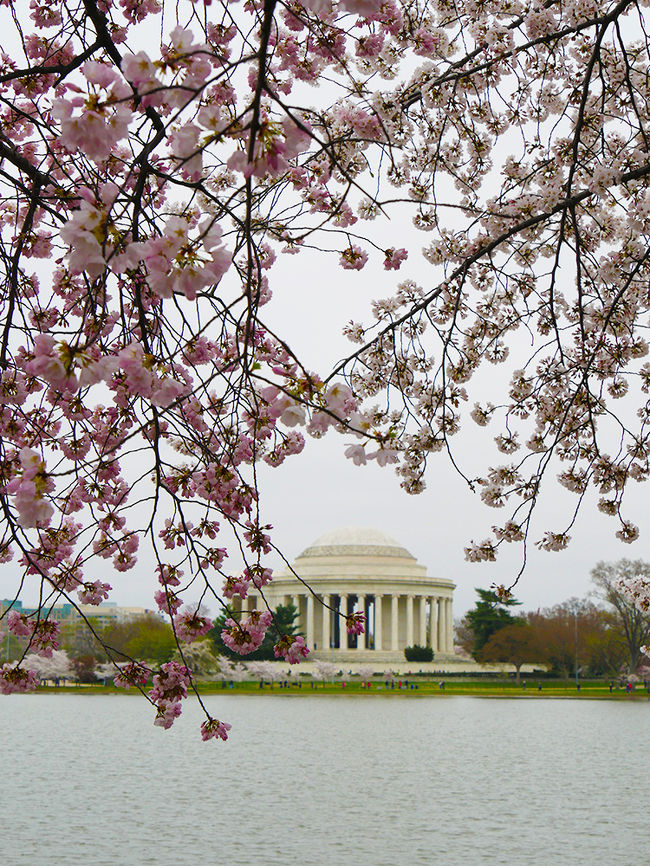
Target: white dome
x,y
353,540
355,535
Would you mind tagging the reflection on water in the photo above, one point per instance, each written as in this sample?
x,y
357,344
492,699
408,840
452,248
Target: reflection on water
x,y
326,781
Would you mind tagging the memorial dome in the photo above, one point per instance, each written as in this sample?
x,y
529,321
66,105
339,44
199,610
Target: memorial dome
x,y
356,541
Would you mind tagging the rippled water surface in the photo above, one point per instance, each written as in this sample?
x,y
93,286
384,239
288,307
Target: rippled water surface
x,y
324,781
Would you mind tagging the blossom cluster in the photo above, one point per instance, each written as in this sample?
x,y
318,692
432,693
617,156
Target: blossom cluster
x,y
14,680
42,634
214,728
246,636
191,624
131,674
169,689
291,648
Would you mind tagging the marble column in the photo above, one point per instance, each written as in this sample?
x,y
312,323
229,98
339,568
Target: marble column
x,y
444,644
378,622
409,620
309,637
394,623
422,630
343,611
433,623
326,623
450,627
295,600
441,625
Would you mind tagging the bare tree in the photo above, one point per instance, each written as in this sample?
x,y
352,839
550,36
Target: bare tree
x,y
611,580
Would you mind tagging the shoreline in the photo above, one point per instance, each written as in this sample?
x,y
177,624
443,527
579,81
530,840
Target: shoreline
x,y
423,690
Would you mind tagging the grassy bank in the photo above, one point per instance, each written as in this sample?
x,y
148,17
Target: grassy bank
x,y
589,689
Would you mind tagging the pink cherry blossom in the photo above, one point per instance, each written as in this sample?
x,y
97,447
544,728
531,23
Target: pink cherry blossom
x,y
16,680
214,728
291,648
394,258
246,636
131,674
355,623
30,488
94,592
191,624
148,187
353,258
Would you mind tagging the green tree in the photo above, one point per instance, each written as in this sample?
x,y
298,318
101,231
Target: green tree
x,y
11,647
144,638
78,639
490,613
284,622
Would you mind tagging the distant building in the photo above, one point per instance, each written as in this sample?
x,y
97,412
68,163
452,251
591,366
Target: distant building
x,y
101,615
365,570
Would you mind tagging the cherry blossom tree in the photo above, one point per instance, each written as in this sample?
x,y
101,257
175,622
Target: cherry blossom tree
x,y
229,670
57,667
158,160
105,671
366,672
199,657
264,670
324,671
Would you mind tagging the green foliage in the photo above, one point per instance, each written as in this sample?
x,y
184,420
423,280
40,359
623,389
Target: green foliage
x,y
11,647
417,653
78,640
144,638
284,622
489,614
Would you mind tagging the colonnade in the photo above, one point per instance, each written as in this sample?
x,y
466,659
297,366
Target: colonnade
x,y
394,621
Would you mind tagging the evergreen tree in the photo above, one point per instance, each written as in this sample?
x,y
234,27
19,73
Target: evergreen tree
x,y
490,613
284,622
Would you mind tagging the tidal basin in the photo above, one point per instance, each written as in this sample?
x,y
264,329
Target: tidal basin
x,y
324,781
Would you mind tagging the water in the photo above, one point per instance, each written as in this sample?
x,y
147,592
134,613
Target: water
x,y
324,781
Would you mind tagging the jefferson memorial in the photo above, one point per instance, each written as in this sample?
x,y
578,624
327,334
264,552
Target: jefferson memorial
x,y
365,570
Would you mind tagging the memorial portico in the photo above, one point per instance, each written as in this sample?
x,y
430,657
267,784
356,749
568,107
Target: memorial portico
x,y
365,570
